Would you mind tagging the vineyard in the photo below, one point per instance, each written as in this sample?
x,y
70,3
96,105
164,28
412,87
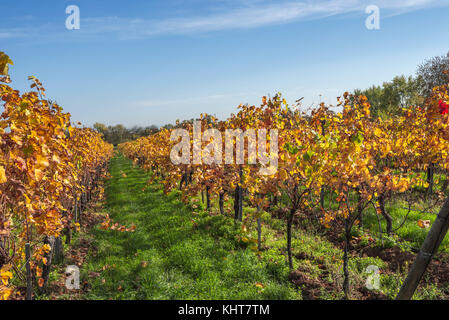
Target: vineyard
x,y
338,192
333,167
48,172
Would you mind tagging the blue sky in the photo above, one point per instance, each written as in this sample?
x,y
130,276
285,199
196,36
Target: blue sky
x,y
152,62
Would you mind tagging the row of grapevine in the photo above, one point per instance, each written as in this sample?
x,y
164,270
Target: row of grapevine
x,y
48,171
357,160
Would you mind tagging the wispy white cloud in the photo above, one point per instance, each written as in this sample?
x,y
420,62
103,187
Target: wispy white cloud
x,y
250,14
243,14
14,33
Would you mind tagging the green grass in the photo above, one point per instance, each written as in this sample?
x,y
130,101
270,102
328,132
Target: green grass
x,y
181,251
406,233
173,254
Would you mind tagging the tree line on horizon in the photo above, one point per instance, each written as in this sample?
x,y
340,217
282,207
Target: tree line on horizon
x,y
401,92
119,133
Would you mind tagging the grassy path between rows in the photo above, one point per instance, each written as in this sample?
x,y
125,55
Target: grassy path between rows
x,y
173,254
181,251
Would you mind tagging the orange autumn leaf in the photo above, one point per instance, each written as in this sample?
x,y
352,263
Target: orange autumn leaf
x,y
42,161
259,285
423,224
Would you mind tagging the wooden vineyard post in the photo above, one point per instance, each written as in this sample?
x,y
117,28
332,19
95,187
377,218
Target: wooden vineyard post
x,y
221,203
207,197
80,209
238,199
47,266
428,249
76,210
259,227
68,230
59,250
430,179
236,203
29,289
68,235
323,122
241,196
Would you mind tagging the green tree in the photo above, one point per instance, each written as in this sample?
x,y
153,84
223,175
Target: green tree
x,y
392,96
101,128
432,73
5,61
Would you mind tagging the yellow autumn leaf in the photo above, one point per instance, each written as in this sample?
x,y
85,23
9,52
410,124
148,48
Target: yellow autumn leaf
x,y
38,174
56,159
377,132
2,175
5,276
283,174
42,162
5,293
